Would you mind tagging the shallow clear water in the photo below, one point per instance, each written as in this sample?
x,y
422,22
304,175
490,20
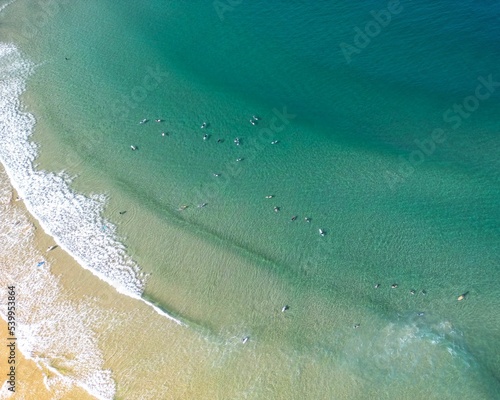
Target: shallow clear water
x,y
355,156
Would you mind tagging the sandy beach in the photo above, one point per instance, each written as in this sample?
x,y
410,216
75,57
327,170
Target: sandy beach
x,y
77,335
198,206
113,323
30,375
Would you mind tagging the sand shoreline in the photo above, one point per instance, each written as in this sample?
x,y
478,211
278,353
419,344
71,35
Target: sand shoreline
x,y
126,332
78,286
29,374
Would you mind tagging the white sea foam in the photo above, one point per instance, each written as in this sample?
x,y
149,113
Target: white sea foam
x,y
74,220
57,333
410,351
54,332
2,7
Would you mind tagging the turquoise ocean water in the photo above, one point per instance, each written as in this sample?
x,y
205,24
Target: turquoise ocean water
x,y
392,151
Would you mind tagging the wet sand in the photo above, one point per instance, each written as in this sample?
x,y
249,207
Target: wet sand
x,y
91,330
29,374
108,315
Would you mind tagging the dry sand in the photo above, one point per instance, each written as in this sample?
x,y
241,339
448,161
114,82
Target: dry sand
x,y
146,355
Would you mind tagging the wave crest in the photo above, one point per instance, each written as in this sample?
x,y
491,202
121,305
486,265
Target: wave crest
x,y
75,221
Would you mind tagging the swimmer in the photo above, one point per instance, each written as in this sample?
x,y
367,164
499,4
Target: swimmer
x,y
377,286
356,326
122,212
394,285
284,308
276,209
462,296
307,219
412,291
